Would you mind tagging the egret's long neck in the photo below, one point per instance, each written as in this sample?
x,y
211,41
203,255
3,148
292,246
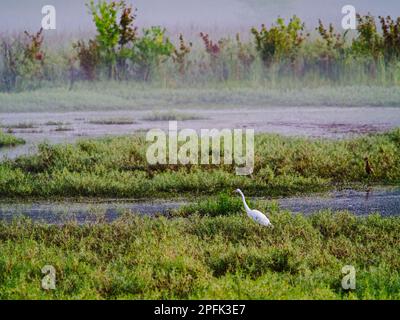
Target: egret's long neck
x,y
244,202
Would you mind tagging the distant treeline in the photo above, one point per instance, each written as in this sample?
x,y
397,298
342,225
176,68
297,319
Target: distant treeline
x,y
284,51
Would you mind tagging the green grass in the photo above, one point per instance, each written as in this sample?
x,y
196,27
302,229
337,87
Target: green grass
x,y
8,140
221,205
113,121
117,96
171,116
222,257
117,167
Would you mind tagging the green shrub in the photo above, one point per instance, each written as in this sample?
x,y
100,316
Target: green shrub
x,y
114,23
22,62
88,55
150,50
180,55
281,42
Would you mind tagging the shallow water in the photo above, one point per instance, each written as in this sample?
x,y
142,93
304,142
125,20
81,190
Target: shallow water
x,y
328,122
385,201
83,212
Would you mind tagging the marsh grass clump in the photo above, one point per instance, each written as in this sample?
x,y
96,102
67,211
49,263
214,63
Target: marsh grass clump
x,y
21,125
171,116
8,140
62,128
115,121
223,257
55,123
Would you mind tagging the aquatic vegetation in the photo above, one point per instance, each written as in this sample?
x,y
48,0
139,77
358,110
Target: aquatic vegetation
x,y
55,123
117,167
88,56
8,140
221,205
112,121
280,43
62,128
21,125
171,116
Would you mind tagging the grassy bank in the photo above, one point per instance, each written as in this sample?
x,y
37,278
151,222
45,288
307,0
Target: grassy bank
x,y
127,96
221,257
8,140
117,167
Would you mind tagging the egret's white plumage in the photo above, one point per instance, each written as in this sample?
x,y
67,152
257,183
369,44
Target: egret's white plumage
x,y
256,215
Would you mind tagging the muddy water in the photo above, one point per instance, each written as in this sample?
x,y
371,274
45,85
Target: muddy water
x,y
330,122
382,201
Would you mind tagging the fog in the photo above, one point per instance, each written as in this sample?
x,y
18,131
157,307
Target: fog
x,y
72,15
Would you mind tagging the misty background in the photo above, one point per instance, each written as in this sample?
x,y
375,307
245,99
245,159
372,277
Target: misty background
x,y
234,15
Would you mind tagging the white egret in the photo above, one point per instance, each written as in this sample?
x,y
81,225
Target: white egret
x,y
256,215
